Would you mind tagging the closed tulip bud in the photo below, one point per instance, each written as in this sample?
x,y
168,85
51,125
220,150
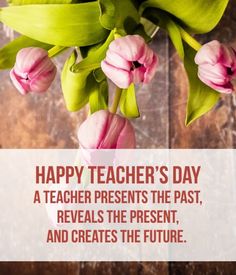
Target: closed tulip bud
x,y
33,71
129,60
104,130
217,66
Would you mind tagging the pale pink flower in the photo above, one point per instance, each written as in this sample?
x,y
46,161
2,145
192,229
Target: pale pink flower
x,y
104,130
217,66
129,60
33,71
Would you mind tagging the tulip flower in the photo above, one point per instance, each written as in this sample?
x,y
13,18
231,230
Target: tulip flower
x,y
129,60
33,71
104,130
217,66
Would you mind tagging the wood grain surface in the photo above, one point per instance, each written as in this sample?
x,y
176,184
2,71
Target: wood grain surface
x,y
38,121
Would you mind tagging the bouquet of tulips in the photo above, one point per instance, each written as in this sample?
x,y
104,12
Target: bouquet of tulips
x,y
109,40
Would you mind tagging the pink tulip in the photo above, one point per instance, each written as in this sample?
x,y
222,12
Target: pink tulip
x,y
217,66
129,60
104,130
33,71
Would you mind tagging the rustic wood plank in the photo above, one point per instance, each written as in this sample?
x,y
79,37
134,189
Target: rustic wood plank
x,y
214,268
108,268
153,268
152,128
44,268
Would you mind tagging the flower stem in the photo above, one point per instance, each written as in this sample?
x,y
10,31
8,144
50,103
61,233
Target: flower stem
x,y
116,100
192,42
55,50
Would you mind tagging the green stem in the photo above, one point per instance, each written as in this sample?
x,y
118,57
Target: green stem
x,y
116,100
192,42
55,50
117,35
118,93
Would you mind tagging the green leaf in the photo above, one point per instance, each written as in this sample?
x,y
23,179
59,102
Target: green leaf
x,y
201,97
107,14
200,16
163,20
128,103
95,56
175,35
120,14
8,52
98,94
99,75
74,85
85,51
32,2
75,81
63,25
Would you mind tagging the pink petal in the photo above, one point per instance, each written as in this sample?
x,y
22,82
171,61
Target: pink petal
x,y
46,65
126,138
209,53
112,131
104,130
21,86
28,58
151,70
138,75
130,47
120,77
226,88
33,71
220,86
213,73
147,56
227,58
92,130
117,61
42,82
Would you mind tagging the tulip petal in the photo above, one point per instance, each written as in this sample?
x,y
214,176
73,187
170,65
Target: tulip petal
x,y
92,130
42,82
112,131
45,66
126,139
104,130
216,66
20,85
226,88
130,47
216,74
117,61
147,56
33,71
151,70
227,58
209,53
28,58
138,75
121,78
129,59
